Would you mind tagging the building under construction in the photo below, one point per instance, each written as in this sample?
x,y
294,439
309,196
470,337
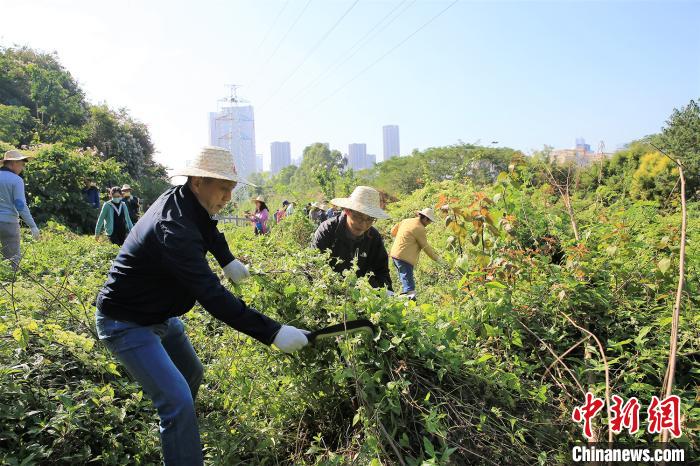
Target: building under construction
x,y
232,127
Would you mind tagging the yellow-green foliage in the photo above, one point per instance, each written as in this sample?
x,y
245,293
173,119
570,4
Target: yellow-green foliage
x,y
655,177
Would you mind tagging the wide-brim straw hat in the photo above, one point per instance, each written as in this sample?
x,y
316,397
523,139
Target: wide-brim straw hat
x,y
212,162
427,213
259,199
363,199
126,187
15,155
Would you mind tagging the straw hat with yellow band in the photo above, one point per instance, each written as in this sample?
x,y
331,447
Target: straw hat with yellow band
x,y
363,199
212,162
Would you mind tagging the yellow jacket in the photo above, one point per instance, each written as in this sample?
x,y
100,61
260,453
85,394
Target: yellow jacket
x,y
410,239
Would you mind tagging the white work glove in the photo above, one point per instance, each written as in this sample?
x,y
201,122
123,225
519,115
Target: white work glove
x,y
290,339
236,271
389,293
35,234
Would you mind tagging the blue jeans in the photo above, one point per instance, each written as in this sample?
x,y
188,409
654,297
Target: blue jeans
x,y
405,275
161,358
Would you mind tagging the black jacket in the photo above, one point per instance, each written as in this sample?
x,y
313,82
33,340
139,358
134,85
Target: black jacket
x,y
369,250
132,203
161,270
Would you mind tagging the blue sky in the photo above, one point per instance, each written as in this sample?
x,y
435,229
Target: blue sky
x,y
521,73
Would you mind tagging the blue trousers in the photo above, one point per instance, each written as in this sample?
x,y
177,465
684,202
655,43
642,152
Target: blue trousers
x,y
161,359
405,271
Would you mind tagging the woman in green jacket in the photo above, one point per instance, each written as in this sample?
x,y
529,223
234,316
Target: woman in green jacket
x,y
114,218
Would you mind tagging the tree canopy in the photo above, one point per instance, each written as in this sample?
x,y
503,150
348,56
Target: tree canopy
x,y
41,103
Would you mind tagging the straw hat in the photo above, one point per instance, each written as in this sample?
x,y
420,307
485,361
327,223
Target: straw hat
x,y
260,199
364,200
126,187
15,155
427,213
212,162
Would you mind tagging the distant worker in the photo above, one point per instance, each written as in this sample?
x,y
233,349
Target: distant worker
x,y
282,212
260,216
92,195
317,214
290,209
332,212
133,203
13,205
114,218
411,238
351,236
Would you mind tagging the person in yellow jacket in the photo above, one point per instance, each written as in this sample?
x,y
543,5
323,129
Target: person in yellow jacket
x,y
411,238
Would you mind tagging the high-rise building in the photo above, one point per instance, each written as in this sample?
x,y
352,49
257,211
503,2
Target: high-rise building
x,y
280,156
358,158
233,128
391,141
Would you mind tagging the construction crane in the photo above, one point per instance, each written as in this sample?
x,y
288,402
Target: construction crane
x,y
234,127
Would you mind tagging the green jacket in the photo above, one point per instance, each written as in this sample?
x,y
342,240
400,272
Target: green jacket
x,y
107,216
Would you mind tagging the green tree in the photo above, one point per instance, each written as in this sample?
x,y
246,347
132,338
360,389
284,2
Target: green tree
x,y
335,182
118,135
38,82
316,157
55,178
16,125
481,165
680,138
285,175
152,183
399,175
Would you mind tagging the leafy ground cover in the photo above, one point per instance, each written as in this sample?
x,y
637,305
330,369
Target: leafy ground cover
x,y
467,375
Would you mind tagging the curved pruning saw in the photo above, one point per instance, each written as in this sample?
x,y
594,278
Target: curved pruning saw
x,y
345,328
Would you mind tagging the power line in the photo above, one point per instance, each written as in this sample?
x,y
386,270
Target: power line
x,y
279,44
272,25
313,49
384,55
352,51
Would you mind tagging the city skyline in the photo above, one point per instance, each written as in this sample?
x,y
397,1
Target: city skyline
x,y
336,77
277,148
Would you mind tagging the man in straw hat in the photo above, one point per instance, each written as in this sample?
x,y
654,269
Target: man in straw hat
x,y
132,202
411,238
316,213
13,205
158,275
351,235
